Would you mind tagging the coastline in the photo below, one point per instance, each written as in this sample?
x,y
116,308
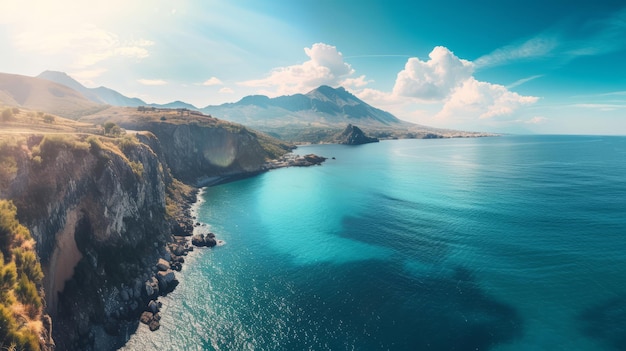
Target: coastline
x,y
180,250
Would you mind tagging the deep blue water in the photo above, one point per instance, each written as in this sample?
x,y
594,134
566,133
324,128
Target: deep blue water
x,y
507,243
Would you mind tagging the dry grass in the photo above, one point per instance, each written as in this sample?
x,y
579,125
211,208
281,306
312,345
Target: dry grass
x,y
28,121
44,95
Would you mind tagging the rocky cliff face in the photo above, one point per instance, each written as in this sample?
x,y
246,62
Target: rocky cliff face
x,y
103,211
97,209
196,152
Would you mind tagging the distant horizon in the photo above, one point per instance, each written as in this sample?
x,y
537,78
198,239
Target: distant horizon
x,y
531,67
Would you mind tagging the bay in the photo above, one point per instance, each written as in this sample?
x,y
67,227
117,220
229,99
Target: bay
x,y
505,243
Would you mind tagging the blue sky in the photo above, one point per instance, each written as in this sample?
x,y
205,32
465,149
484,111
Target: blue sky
x,y
509,66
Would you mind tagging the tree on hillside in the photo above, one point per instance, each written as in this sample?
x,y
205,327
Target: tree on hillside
x,y
112,129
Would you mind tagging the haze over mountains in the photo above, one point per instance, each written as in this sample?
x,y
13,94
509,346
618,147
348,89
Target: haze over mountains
x,y
312,117
43,95
103,95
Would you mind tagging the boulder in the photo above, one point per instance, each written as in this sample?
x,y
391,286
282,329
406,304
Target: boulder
x,y
198,240
154,325
210,242
167,281
146,317
151,287
153,306
201,240
163,265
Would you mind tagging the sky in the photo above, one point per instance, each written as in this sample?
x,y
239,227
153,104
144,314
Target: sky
x,y
550,66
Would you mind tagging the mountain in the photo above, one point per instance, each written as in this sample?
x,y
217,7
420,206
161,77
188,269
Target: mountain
x,y
316,116
44,95
104,95
64,79
324,106
101,95
112,97
175,104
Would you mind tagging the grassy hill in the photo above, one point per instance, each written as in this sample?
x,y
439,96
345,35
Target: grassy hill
x,y
44,95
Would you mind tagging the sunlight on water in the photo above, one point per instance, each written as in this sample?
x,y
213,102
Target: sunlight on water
x,y
512,243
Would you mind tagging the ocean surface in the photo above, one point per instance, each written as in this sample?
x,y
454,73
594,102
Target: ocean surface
x,y
504,243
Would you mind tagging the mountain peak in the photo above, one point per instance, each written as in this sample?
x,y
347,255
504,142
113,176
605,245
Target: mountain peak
x,y
339,93
64,79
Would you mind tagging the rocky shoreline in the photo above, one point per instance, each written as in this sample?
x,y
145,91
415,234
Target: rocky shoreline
x,y
187,234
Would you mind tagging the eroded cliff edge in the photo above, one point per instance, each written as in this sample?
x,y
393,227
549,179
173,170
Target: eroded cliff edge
x,y
103,209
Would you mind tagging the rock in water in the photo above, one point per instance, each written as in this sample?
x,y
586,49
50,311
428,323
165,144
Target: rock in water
x,y
353,135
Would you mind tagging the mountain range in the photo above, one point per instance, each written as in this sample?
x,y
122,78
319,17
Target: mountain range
x,y
312,117
104,95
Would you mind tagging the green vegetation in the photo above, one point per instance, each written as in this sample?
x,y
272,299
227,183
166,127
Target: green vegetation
x,y
8,164
20,272
52,144
112,129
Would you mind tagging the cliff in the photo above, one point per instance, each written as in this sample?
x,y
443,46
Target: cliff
x,y
96,207
198,147
103,211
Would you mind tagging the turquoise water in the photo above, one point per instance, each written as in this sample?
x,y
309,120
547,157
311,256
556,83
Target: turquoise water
x,y
508,243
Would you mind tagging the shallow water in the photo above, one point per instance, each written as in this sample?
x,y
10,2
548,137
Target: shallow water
x,y
508,243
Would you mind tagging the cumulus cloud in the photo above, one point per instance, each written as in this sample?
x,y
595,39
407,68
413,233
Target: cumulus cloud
x,y
433,79
226,90
444,84
324,67
212,81
152,81
483,100
356,83
441,87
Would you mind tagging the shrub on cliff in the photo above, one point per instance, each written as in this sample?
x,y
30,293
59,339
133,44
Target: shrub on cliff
x,y
13,336
20,272
8,165
50,146
12,233
28,265
26,293
8,278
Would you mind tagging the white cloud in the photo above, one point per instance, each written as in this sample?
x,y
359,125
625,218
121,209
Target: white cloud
x,y
600,107
152,81
445,86
433,79
324,67
523,80
226,90
535,47
475,99
212,81
358,82
563,43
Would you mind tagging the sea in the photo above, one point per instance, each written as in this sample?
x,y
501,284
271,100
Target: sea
x,y
498,243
